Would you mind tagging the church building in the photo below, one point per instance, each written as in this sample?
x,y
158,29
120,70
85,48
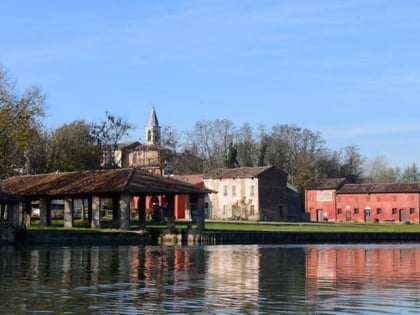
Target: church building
x,y
147,156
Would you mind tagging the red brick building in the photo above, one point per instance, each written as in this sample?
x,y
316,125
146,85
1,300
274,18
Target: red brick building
x,y
336,200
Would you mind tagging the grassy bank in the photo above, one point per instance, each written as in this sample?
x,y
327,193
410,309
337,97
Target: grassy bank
x,y
106,225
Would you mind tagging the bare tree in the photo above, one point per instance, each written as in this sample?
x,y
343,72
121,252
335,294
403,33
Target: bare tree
x,y
246,146
108,133
210,141
377,170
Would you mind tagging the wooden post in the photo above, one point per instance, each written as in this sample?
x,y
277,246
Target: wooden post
x,y
125,211
116,212
68,213
96,215
43,208
200,212
141,208
170,208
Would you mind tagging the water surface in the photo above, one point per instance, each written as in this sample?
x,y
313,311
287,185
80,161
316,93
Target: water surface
x,y
234,279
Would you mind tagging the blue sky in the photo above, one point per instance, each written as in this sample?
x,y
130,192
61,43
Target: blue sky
x,y
348,69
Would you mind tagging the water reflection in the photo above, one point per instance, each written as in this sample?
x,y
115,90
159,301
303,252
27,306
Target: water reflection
x,y
237,279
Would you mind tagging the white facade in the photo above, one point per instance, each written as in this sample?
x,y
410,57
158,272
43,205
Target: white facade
x,y
237,198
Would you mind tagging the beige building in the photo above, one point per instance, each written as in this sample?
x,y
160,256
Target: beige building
x,y
247,193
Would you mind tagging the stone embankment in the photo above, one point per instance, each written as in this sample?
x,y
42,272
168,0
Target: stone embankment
x,y
226,237
206,237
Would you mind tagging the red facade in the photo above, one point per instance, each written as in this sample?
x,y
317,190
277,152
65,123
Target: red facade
x,y
334,200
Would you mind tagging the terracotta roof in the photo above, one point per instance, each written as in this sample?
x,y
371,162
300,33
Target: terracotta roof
x,y
380,188
326,183
128,180
239,172
194,179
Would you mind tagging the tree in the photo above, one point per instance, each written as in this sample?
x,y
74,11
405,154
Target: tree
x,y
411,174
351,167
377,170
73,148
37,154
294,150
210,140
170,138
246,146
108,133
230,160
20,125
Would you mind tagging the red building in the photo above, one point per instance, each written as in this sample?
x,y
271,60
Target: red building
x,y
336,200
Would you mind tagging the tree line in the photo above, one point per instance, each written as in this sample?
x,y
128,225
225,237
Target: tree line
x,y
27,147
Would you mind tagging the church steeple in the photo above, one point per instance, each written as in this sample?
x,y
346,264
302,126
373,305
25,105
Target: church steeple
x,y
153,130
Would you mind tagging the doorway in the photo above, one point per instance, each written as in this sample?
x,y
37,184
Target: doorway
x,y
367,215
319,215
403,215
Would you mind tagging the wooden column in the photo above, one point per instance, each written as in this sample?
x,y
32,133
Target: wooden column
x,y
170,208
15,214
3,212
141,208
116,212
125,211
43,208
200,212
96,212
68,213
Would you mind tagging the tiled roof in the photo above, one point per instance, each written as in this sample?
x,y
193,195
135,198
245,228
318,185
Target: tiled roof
x,y
380,188
194,179
128,180
326,183
239,172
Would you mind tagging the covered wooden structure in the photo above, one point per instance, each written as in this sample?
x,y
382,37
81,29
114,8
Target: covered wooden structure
x,y
120,185
9,216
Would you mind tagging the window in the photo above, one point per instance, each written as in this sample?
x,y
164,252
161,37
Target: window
x,y
394,211
378,210
412,211
224,210
233,190
339,211
251,190
225,190
356,210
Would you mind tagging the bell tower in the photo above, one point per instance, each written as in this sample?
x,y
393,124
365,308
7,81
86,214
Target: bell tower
x,y
153,130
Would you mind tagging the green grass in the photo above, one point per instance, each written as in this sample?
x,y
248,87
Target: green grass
x,y
106,225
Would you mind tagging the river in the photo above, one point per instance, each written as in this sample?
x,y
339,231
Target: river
x,y
220,279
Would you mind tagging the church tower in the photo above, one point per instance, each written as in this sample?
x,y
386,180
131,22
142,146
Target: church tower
x,y
153,130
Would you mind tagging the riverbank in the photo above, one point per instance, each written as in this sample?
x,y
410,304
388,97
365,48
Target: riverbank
x,y
217,232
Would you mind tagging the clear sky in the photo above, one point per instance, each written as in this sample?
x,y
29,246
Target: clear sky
x,y
348,69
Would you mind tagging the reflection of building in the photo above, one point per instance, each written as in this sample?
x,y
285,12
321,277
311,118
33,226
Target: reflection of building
x,y
335,200
352,265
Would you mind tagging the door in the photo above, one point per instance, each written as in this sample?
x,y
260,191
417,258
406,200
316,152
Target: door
x,y
319,215
403,215
348,215
367,215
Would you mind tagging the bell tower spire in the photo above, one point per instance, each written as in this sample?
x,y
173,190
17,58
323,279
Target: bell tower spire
x,y
153,129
